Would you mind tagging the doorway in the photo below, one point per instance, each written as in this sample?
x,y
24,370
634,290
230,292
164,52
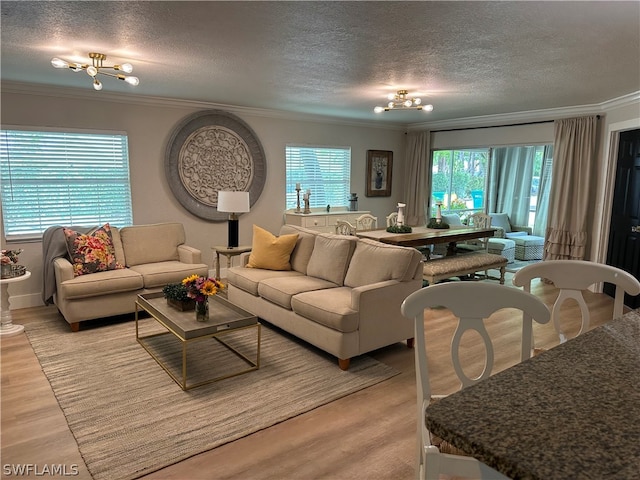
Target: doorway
x,y
624,230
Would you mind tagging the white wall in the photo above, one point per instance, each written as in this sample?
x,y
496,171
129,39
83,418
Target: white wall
x,y
149,126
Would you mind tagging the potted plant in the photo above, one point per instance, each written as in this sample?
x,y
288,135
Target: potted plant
x,y
177,296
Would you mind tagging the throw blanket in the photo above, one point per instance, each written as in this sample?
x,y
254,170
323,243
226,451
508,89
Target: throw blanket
x,y
54,245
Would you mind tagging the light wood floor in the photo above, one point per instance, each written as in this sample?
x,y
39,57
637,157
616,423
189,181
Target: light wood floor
x,y
367,435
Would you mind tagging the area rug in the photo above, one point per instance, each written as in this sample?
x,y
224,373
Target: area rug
x,y
130,418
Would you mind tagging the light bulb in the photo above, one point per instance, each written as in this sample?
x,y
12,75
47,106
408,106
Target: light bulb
x,y
126,67
132,80
428,108
407,103
59,63
92,71
417,101
96,84
391,96
76,67
390,105
378,109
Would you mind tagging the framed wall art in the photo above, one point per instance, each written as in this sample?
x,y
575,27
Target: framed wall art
x,y
379,169
211,151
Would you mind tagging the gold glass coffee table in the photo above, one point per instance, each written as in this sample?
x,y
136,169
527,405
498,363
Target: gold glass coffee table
x,y
196,353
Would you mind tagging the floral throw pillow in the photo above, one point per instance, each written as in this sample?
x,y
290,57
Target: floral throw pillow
x,y
91,252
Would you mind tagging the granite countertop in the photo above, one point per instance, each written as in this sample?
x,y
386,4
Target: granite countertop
x,y
571,412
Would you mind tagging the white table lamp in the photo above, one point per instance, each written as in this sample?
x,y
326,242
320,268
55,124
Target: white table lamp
x,y
233,203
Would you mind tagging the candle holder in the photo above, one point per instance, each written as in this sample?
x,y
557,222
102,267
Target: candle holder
x,y
439,212
306,203
298,200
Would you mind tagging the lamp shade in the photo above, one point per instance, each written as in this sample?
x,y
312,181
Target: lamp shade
x,y
233,202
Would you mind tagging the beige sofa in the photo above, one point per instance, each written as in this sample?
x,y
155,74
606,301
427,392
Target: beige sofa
x,y
153,255
342,294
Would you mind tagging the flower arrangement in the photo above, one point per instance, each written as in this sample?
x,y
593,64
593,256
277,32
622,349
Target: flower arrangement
x,y
10,256
199,288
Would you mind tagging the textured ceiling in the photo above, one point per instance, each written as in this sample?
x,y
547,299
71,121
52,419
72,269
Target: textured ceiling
x,y
339,58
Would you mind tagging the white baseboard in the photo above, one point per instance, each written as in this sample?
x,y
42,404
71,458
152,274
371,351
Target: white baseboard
x,y
25,301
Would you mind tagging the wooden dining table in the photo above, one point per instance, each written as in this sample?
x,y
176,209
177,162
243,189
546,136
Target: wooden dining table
x,y
422,236
572,412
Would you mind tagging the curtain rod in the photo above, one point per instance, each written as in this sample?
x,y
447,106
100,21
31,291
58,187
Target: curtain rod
x,y
498,126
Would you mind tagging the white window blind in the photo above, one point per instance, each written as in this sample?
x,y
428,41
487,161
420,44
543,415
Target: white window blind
x,y
326,171
63,178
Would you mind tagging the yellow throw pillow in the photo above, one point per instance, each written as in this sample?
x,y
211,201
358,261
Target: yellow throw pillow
x,y
271,252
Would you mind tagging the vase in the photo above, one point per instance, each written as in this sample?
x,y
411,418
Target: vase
x,y
202,310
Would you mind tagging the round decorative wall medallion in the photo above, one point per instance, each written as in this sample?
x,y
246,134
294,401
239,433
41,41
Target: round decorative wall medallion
x,y
212,151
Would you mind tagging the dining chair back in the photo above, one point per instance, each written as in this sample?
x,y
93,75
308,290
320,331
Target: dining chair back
x,y
472,303
345,228
392,219
479,220
572,277
366,221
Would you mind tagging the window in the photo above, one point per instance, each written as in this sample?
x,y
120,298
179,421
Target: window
x,y
62,178
458,180
515,180
326,171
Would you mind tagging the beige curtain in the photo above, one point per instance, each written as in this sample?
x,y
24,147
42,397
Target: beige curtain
x,y
573,163
417,176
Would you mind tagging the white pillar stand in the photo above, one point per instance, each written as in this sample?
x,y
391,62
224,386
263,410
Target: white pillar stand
x,y
8,329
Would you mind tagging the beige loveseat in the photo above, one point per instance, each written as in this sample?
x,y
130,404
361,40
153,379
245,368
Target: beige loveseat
x,y
153,255
342,294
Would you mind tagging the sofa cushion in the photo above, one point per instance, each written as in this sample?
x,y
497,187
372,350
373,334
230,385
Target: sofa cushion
x,y
304,246
160,273
117,246
374,262
271,252
248,279
280,290
331,256
101,283
92,252
151,243
329,307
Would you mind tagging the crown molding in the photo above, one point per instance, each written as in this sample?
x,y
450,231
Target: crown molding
x,y
129,99
530,116
465,122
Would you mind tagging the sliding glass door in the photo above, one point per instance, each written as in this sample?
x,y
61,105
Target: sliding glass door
x,y
513,180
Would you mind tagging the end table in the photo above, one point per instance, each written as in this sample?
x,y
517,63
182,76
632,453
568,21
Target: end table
x,y
228,252
7,328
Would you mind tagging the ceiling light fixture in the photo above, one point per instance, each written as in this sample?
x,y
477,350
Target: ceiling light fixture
x,y
96,68
401,101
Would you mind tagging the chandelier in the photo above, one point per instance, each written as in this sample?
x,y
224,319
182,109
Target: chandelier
x,y
402,101
97,67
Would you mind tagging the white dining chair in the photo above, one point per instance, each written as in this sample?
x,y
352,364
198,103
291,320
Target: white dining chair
x,y
392,219
471,302
572,277
345,228
366,221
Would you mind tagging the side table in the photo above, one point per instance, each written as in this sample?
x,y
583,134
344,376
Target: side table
x,y
7,328
228,252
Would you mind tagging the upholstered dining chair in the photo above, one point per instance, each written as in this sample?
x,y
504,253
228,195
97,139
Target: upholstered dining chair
x,y
392,219
345,228
366,221
435,456
572,277
478,220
